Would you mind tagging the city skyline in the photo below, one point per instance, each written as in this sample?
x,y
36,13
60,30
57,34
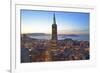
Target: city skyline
x,y
67,22
44,36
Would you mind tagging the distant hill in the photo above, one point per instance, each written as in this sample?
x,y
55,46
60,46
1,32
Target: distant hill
x,y
43,34
36,34
72,35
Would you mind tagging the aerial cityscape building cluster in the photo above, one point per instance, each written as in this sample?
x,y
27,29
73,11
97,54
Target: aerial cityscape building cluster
x,y
38,50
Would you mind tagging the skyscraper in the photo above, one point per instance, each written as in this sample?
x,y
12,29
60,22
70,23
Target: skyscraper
x,y
54,29
48,55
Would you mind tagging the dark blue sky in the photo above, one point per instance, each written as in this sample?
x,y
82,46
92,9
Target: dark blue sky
x,y
67,22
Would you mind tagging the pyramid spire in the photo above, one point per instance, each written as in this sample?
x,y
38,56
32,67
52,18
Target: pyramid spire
x,y
54,19
54,28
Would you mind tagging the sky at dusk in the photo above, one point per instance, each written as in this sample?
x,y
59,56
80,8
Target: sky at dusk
x,y
67,22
